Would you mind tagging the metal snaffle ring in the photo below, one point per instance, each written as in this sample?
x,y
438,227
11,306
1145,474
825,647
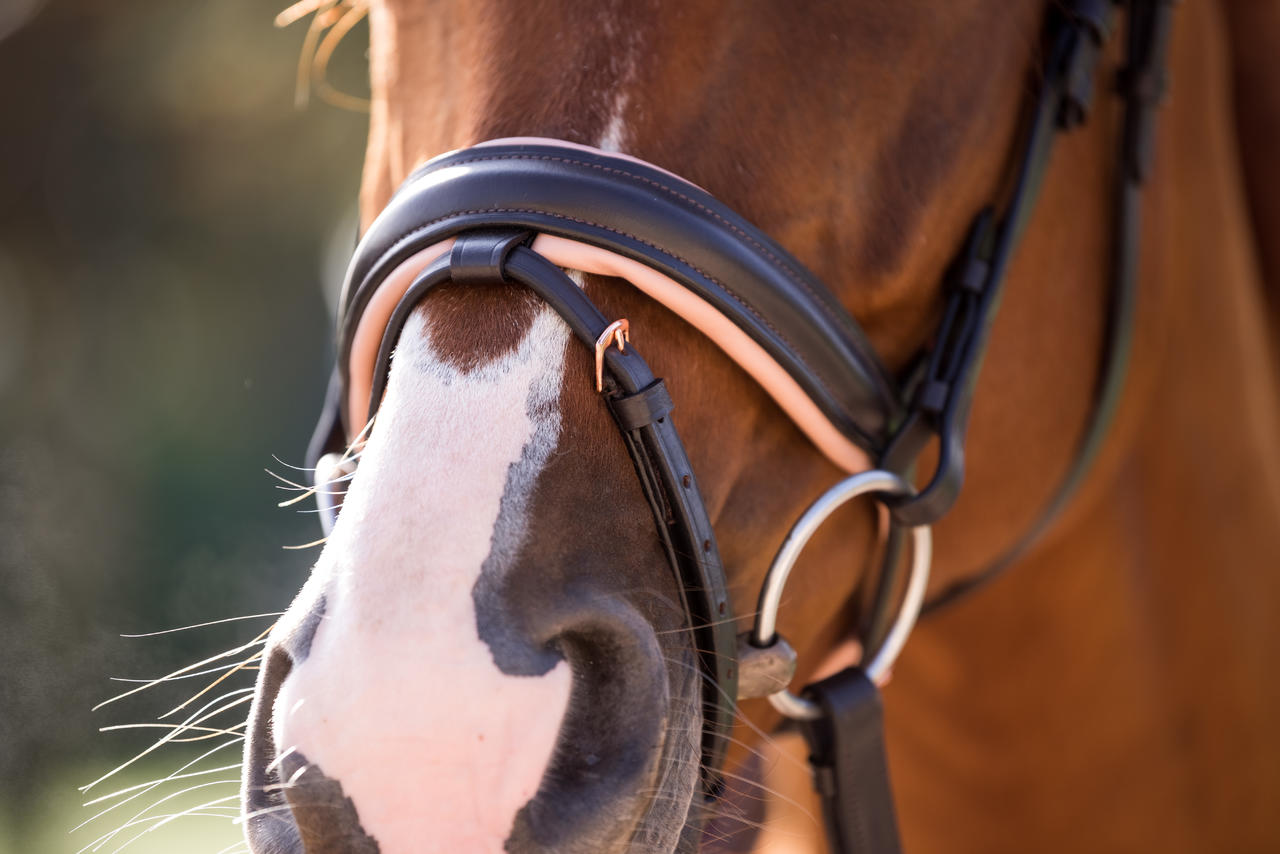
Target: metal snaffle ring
x,y
764,633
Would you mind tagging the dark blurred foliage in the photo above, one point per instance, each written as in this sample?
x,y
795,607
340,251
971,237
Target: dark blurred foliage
x,y
164,211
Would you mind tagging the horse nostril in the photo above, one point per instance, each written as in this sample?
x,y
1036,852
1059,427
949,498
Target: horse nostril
x,y
290,806
271,825
618,742
325,817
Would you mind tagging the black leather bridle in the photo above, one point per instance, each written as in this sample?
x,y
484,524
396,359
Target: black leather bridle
x,y
493,200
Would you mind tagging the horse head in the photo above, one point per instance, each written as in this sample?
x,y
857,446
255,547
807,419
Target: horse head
x,y
492,651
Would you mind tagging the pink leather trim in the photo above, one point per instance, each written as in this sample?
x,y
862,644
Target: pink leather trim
x,y
736,344
368,337
591,259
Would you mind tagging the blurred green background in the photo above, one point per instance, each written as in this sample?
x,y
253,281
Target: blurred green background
x,y
166,211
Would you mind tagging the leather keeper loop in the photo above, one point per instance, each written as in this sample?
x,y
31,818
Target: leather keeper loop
x,y
641,409
480,256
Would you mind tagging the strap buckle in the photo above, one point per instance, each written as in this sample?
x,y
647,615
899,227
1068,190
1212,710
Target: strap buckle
x,y
1088,23
618,333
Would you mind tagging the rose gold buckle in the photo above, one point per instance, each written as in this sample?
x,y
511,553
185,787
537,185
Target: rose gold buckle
x,y
618,332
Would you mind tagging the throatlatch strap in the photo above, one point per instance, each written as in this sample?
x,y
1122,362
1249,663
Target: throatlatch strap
x,y
944,395
1142,84
850,771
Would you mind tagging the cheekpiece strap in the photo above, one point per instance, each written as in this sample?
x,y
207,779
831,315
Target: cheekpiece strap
x,y
850,771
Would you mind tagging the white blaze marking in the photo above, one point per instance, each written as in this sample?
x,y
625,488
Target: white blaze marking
x,y
400,700
625,48
614,136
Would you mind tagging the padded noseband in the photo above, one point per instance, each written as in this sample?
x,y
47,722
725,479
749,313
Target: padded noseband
x,y
646,214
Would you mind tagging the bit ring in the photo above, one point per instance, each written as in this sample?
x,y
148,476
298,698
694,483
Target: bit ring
x,y
764,633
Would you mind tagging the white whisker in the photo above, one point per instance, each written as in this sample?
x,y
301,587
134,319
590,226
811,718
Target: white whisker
x,y
257,656
206,624
258,641
164,740
310,545
219,669
141,816
176,774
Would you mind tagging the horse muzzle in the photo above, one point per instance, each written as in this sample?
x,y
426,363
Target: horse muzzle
x,y
363,750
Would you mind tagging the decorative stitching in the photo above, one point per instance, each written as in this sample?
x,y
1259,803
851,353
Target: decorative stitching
x,y
761,249
411,236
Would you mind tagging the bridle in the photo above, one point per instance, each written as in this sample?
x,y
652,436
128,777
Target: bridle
x,y
522,210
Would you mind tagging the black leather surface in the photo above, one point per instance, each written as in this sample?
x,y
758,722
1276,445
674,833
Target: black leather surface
x,y
850,770
1142,83
634,411
645,214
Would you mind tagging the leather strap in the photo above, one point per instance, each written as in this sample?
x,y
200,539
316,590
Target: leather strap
x,y
649,215
642,408
850,771
975,282
1141,84
633,411
852,782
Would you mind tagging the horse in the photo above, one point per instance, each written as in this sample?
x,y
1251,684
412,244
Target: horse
x,y
492,652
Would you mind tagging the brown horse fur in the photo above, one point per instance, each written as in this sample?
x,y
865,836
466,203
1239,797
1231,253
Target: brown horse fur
x,y
1115,690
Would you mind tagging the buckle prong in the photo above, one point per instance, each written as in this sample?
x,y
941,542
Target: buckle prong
x,y
619,333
